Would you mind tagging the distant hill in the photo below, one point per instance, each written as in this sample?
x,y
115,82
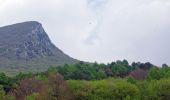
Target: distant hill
x,y
26,46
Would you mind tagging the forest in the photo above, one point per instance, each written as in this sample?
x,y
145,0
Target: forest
x,y
118,80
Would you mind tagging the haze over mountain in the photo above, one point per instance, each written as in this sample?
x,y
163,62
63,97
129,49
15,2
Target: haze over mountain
x,y
26,45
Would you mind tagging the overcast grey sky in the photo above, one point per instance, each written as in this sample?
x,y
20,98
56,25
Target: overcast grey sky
x,y
99,30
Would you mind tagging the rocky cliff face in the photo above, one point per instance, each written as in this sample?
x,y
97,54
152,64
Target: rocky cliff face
x,y
27,44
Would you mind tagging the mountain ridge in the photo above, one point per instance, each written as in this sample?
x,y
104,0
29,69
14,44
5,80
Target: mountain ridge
x,y
26,44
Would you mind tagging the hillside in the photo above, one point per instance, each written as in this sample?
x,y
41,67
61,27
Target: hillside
x,y
26,46
82,81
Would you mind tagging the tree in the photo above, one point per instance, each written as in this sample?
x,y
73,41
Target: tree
x,y
6,82
52,70
164,65
119,69
2,93
107,89
164,90
59,88
33,96
29,86
158,89
139,74
131,80
158,73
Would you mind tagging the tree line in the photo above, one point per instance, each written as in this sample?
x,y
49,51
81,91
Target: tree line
x,y
118,80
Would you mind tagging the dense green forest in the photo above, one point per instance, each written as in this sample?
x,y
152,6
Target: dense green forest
x,y
90,81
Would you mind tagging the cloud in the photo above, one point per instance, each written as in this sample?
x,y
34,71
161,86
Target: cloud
x,y
96,4
99,30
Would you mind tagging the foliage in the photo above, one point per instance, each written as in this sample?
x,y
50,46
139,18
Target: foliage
x,y
82,71
90,81
157,90
9,97
131,80
119,67
40,86
2,92
159,73
29,86
93,71
108,89
32,96
5,81
139,74
59,88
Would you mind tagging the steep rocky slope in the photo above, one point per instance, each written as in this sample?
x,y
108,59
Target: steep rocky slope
x,y
27,46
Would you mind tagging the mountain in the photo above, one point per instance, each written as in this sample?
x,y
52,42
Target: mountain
x,y
27,46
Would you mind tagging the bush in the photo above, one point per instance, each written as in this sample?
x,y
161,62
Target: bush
x,y
107,89
2,93
33,96
159,90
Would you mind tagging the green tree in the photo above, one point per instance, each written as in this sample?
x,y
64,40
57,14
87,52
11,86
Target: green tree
x,y
2,93
32,96
131,80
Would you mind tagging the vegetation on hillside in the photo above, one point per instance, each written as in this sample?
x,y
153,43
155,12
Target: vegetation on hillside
x,y
90,81
97,71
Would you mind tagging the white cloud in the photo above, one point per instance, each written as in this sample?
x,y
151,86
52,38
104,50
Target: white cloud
x,y
99,30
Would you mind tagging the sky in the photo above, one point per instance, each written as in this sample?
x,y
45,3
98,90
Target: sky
x,y
99,30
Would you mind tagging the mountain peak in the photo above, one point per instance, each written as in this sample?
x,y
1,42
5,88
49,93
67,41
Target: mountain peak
x,y
23,24
28,42
28,23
